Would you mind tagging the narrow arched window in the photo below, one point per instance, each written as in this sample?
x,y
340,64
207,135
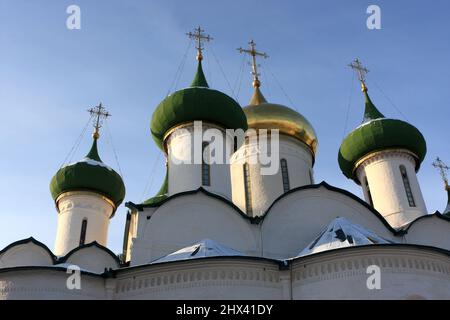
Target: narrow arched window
x,y
407,185
206,168
285,175
369,194
248,191
83,232
235,144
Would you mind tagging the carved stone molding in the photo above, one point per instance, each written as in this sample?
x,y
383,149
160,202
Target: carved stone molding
x,y
383,155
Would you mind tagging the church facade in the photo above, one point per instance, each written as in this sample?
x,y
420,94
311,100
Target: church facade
x,y
225,231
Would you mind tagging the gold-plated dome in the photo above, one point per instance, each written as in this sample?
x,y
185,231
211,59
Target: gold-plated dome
x,y
263,115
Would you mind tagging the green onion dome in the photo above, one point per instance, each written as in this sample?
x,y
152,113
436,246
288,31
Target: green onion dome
x,y
378,133
89,174
197,102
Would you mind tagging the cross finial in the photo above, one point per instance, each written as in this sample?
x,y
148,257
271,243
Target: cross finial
x,y
252,51
442,167
98,113
199,36
361,71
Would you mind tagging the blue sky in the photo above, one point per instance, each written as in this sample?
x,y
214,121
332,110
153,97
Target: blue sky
x,y
127,53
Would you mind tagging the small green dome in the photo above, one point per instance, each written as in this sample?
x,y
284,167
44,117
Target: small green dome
x,y
162,194
89,174
198,102
379,133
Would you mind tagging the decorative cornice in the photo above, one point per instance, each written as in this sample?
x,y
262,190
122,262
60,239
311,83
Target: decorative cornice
x,y
198,276
353,261
261,272
381,155
47,268
248,150
236,271
190,127
88,193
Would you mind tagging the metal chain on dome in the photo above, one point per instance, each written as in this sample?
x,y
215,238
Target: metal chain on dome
x,y
173,86
77,143
208,68
223,73
239,77
282,89
151,177
266,80
114,149
350,97
178,73
389,99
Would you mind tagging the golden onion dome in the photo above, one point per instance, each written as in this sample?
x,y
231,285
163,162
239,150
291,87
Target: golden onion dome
x,y
263,115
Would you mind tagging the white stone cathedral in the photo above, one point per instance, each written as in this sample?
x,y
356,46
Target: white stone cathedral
x,y
226,231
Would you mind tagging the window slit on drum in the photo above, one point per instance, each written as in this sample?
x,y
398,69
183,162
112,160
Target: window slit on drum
x,y
83,232
407,185
248,191
285,175
206,168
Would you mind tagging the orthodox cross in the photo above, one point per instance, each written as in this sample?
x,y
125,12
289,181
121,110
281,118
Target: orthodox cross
x,y
442,167
199,36
98,113
361,71
253,53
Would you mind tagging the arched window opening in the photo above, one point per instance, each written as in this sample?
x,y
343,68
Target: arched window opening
x,y
248,191
407,185
83,232
285,175
206,168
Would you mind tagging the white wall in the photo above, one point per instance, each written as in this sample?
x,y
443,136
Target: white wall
x,y
25,254
202,279
44,284
73,208
184,174
430,231
406,273
382,170
93,259
187,219
266,188
298,218
290,225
